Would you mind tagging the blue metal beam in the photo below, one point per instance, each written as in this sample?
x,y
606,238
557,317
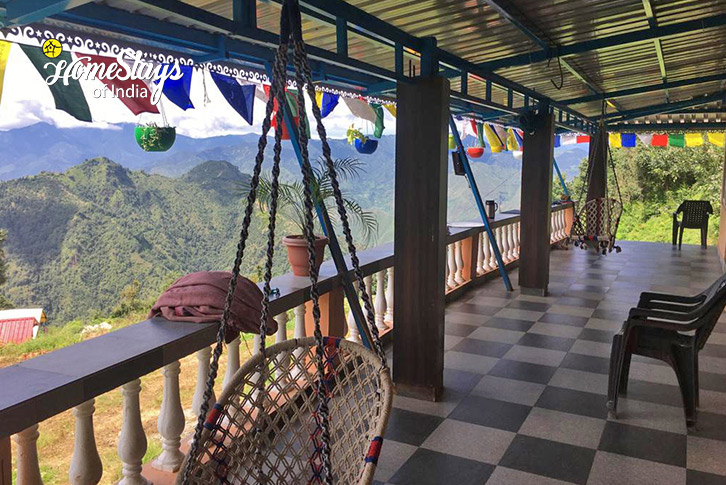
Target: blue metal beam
x,y
244,12
565,190
664,107
609,41
646,89
479,202
21,12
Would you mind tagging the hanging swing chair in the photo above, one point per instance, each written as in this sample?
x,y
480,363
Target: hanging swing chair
x,y
309,410
595,225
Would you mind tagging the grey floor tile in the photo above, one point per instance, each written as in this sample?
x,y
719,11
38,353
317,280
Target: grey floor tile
x,y
580,381
573,402
465,361
564,319
597,335
549,458
546,342
651,415
470,441
606,325
450,341
460,381
706,455
555,330
410,427
575,311
523,371
393,456
562,427
510,390
482,347
588,347
490,413
610,468
527,315
588,363
694,477
709,425
493,334
535,355
509,324
459,329
644,443
509,476
427,467
442,408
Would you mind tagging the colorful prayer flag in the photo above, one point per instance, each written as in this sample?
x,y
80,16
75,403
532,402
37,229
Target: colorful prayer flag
x,y
568,139
660,140
328,103
391,108
694,139
496,143
627,140
502,134
512,142
379,127
558,141
479,130
615,140
4,54
676,140
68,98
240,98
716,138
360,109
319,98
518,136
177,90
583,138
645,139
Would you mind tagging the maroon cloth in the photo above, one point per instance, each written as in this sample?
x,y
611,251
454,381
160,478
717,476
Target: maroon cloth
x,y
199,297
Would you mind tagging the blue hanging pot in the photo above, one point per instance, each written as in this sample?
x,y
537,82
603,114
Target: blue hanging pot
x,y
366,147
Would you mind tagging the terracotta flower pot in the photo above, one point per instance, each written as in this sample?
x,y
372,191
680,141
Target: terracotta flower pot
x,y
297,253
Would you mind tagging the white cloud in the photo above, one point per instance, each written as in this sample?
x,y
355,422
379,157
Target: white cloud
x,y
27,100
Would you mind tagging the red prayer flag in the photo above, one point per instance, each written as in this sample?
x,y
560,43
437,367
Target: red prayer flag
x,y
659,141
473,127
130,92
583,139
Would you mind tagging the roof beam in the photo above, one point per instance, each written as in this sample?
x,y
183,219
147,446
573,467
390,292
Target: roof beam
x,y
653,22
665,107
609,41
21,12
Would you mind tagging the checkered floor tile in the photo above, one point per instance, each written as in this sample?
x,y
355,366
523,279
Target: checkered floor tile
x,y
526,384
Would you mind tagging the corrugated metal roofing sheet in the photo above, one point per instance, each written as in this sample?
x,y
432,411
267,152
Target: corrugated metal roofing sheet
x,y
16,331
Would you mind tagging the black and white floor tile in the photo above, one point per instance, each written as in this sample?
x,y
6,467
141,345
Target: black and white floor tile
x,y
526,384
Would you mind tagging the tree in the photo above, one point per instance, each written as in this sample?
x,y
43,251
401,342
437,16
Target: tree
x,y
4,301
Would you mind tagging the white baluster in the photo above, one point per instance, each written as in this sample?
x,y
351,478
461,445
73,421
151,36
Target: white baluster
x,y
202,374
86,467
368,282
459,260
299,333
353,334
486,259
131,440
28,470
479,255
510,241
380,302
171,420
500,243
563,224
232,361
255,378
504,244
451,265
517,242
281,336
389,297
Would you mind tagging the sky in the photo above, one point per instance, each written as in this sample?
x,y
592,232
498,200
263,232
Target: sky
x,y
27,100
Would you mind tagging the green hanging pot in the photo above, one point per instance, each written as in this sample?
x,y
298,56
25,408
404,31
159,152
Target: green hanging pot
x,y
155,138
452,143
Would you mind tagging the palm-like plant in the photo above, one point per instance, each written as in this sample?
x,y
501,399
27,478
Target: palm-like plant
x,y
291,201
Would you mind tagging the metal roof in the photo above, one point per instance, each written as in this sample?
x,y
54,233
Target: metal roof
x,y
17,331
572,53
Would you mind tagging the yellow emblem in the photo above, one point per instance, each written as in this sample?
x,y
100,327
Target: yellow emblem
x,y
52,48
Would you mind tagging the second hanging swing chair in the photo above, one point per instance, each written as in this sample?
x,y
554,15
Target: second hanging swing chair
x,y
595,224
311,410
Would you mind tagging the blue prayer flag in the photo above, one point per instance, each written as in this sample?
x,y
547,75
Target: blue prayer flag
x,y
330,101
177,91
627,140
558,142
239,97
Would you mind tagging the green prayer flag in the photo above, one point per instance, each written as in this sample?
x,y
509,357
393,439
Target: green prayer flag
x,y
480,133
68,98
676,140
378,130
291,97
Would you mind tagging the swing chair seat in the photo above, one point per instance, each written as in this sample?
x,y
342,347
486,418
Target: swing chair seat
x,y
596,225
272,435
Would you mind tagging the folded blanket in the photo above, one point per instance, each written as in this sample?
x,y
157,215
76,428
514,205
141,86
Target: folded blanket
x,y
199,297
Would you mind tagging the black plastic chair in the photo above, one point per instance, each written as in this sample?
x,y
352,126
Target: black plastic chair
x,y
670,328
695,216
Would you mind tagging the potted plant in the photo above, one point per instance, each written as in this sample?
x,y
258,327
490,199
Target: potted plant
x,y
152,138
362,143
291,204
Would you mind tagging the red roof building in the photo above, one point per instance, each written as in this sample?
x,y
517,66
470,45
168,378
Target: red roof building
x,y
17,331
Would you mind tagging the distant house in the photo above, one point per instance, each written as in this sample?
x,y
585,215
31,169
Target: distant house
x,y
19,325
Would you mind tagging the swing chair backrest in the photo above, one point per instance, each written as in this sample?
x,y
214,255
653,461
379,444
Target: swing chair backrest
x,y
281,445
600,217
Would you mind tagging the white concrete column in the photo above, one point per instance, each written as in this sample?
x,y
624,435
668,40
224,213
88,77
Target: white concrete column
x,y
171,421
26,458
380,301
131,440
203,356
86,467
389,297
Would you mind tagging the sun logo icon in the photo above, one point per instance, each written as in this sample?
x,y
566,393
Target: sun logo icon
x,y
52,48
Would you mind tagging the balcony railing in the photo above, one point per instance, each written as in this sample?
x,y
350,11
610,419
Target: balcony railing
x,y
72,377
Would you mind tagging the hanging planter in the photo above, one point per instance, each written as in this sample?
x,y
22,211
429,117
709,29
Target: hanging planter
x,y
475,152
452,143
362,143
152,138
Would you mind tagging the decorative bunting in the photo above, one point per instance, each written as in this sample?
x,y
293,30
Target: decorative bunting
x,y
615,140
379,127
512,142
558,141
319,98
4,53
391,108
328,103
360,109
645,139
627,140
68,98
262,93
177,91
479,130
659,140
496,144
239,97
473,127
502,134
137,102
694,139
520,140
583,139
568,139
716,138
676,140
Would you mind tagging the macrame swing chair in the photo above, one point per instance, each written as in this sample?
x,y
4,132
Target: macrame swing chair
x,y
304,411
595,225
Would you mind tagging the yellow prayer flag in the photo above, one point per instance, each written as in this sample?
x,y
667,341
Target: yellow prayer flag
x,y
319,98
694,139
391,108
716,138
4,53
495,142
615,140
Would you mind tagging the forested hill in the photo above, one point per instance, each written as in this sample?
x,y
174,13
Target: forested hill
x,y
76,239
